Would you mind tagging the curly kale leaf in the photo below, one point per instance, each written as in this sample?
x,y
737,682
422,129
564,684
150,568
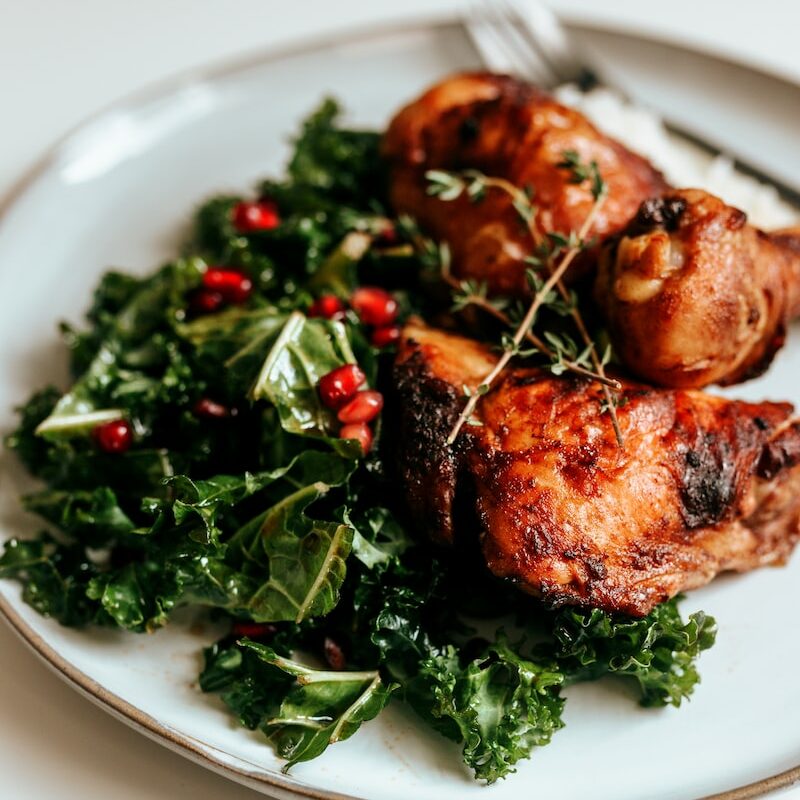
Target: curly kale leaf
x,y
210,499
499,704
496,701
93,518
250,688
55,579
34,452
136,369
658,651
321,707
343,164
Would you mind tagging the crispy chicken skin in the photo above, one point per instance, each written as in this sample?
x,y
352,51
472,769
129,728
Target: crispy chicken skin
x,y
509,129
703,484
694,295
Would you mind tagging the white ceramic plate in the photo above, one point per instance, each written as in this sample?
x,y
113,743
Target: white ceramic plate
x,y
118,192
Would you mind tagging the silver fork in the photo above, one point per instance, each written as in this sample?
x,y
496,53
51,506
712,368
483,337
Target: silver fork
x,y
527,39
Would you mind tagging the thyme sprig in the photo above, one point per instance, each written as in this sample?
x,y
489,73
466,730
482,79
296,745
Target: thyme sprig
x,y
561,350
552,250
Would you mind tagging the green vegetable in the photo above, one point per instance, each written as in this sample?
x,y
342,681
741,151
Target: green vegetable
x,y
261,514
658,651
302,353
321,707
304,558
500,704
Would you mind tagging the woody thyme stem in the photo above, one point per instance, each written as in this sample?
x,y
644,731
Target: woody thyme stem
x,y
522,329
530,336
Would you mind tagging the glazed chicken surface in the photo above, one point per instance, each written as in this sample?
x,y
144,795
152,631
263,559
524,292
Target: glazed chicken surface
x,y
693,295
509,129
702,485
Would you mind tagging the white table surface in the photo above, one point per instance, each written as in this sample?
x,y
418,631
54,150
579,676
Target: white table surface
x,y
62,61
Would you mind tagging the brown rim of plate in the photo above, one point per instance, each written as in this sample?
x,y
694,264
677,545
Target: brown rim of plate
x,y
185,745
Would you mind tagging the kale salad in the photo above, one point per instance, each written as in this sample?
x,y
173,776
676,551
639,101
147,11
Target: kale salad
x,y
227,443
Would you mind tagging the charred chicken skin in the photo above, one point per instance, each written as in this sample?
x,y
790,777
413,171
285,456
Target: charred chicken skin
x,y
507,129
703,484
694,295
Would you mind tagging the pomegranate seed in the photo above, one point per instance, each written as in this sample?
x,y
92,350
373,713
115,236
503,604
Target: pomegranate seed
x,y
334,654
205,407
387,235
339,385
328,306
364,407
231,284
113,437
359,431
253,630
383,337
251,217
374,306
204,301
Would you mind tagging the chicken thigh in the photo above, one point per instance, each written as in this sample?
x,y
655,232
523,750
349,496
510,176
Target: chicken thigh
x,y
702,485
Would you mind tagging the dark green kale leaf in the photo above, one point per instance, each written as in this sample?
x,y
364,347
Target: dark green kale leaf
x,y
379,538
234,343
500,704
55,578
208,499
658,651
136,369
139,595
303,351
31,449
93,518
320,707
343,164
251,688
303,558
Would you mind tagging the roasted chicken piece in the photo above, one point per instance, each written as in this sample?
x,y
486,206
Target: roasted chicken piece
x,y
508,129
694,295
702,485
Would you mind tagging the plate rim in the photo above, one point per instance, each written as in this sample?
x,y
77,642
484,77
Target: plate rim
x,y
193,749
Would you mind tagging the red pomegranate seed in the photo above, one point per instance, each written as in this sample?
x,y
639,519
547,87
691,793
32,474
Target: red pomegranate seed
x,y
328,306
374,306
230,283
204,301
339,385
334,654
205,407
251,217
364,407
383,337
253,630
359,431
113,437
387,235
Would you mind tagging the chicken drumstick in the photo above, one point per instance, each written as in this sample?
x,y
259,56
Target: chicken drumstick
x,y
694,295
508,129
